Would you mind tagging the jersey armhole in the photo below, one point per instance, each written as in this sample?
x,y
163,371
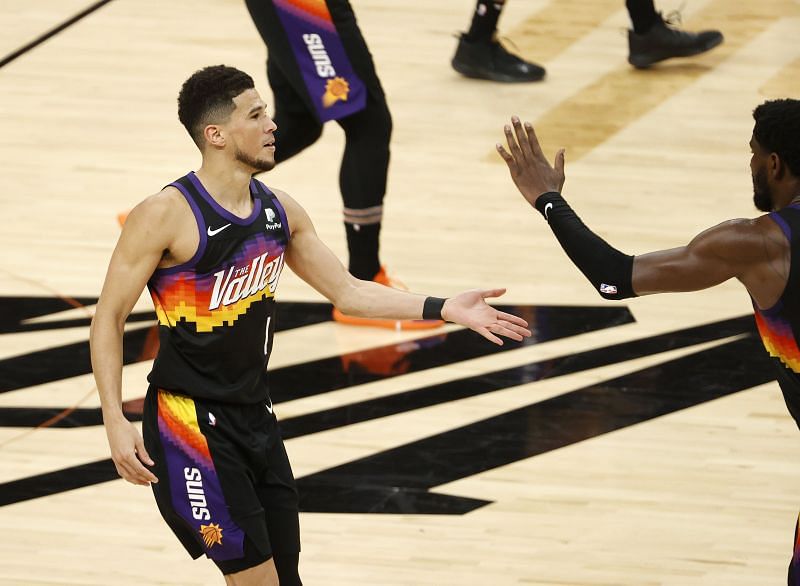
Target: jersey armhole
x,y
201,228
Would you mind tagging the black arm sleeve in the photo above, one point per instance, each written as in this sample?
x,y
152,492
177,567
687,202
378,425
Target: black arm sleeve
x,y
609,270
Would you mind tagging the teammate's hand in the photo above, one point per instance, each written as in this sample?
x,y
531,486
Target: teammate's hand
x,y
530,169
469,309
128,453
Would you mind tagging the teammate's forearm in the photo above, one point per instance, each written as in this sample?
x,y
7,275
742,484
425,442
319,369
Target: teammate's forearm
x,y
609,270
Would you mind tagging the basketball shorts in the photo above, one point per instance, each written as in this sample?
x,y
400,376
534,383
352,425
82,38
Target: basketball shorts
x,y
225,488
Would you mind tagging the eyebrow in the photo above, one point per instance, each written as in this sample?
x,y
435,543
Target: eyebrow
x,y
257,108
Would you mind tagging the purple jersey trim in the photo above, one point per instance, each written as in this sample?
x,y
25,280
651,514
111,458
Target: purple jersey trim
x,y
201,226
222,211
771,311
787,231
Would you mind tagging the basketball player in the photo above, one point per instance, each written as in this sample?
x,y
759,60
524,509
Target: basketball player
x,y
320,69
210,247
762,253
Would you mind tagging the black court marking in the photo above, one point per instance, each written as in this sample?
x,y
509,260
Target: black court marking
x,y
398,480
463,388
52,32
53,364
427,396
331,374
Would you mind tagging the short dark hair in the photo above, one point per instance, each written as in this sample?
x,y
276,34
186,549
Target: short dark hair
x,y
207,97
777,130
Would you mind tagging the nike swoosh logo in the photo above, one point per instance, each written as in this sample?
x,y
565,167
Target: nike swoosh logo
x,y
269,407
547,208
218,230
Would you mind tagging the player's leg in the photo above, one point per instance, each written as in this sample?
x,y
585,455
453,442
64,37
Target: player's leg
x,y
480,54
263,574
365,162
362,180
794,564
655,39
277,491
297,126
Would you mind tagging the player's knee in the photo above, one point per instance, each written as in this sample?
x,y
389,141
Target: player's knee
x,y
372,127
294,134
382,126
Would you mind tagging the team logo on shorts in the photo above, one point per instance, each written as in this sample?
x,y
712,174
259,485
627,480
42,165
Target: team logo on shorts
x,y
212,534
335,90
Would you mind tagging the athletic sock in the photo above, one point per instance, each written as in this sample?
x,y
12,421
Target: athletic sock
x,y
484,21
362,245
643,15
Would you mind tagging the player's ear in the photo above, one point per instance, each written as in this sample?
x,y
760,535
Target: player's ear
x,y
214,136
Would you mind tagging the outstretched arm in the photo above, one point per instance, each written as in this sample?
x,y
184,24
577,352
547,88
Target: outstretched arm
x,y
746,249
314,262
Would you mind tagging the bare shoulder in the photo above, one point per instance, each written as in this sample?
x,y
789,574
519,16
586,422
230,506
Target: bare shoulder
x,y
295,214
165,205
154,219
742,239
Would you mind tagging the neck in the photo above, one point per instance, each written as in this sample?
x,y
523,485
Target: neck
x,y
228,182
793,194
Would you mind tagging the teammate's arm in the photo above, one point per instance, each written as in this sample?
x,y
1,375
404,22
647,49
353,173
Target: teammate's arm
x,y
737,248
314,262
145,236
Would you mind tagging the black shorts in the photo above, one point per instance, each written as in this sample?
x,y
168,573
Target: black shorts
x,y
283,72
225,486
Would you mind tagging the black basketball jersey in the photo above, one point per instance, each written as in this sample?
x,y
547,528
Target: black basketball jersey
x,y
216,311
779,326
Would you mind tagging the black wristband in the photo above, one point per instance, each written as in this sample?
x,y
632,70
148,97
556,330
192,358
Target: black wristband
x,y
432,309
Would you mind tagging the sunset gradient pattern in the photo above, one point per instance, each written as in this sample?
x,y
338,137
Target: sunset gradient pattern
x,y
778,338
187,295
312,11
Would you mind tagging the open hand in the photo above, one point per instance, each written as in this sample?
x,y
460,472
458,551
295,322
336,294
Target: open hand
x,y
531,171
469,309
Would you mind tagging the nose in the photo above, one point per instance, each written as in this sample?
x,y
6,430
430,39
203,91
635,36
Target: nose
x,y
271,126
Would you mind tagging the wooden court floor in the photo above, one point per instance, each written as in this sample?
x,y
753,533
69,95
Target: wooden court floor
x,y
640,443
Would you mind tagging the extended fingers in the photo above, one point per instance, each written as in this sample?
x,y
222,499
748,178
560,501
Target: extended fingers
x,y
492,293
524,139
489,336
512,164
533,141
518,330
512,144
502,315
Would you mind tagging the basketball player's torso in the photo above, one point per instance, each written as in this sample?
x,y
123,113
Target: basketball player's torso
x,y
214,295
779,324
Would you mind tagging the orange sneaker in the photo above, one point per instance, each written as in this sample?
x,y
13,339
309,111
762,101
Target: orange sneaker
x,y
392,324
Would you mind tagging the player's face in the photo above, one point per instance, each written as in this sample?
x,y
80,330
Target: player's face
x,y
762,194
252,132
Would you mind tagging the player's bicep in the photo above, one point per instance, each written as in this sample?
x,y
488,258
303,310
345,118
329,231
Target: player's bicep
x,y
309,257
138,251
708,260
